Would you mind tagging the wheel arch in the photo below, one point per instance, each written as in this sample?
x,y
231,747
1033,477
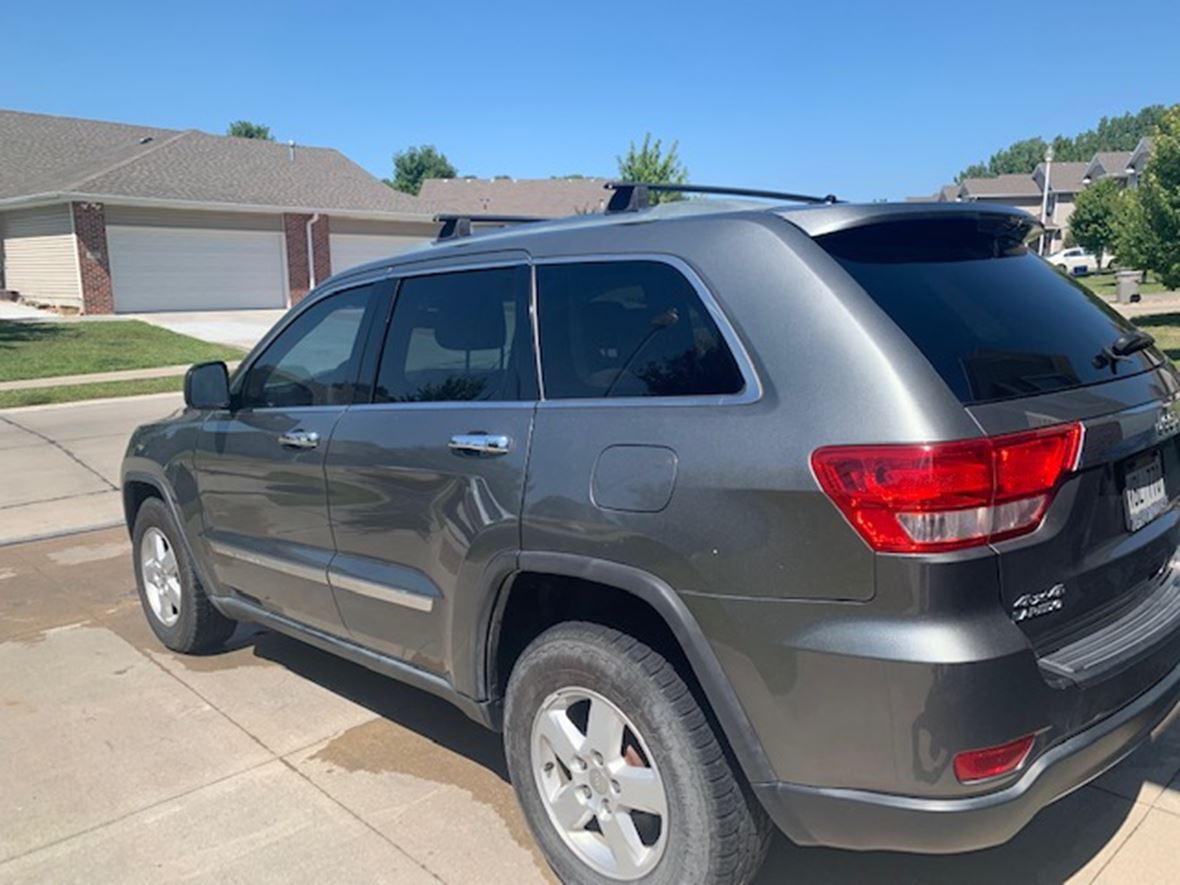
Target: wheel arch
x,y
147,480
671,611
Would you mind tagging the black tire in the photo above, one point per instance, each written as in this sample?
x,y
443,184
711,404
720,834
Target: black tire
x,y
199,626
717,830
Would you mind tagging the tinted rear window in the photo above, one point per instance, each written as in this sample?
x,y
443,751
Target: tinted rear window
x,y
993,319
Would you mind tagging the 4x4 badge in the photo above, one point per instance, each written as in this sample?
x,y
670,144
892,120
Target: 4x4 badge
x,y
1034,605
1167,424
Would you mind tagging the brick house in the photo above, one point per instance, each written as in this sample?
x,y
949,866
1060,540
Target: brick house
x,y
114,218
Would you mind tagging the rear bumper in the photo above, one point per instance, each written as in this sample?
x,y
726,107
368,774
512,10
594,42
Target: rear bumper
x,y
863,820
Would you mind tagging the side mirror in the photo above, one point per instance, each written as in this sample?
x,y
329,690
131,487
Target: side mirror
x,y
206,386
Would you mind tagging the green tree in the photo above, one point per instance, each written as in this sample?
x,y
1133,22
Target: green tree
x,y
246,129
649,163
1120,133
1148,231
1096,214
416,164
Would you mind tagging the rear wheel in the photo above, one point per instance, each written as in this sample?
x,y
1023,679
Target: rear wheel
x,y
618,769
177,608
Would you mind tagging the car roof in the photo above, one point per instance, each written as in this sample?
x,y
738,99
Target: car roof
x,y
815,220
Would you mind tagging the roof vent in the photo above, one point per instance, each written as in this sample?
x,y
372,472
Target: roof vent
x,y
291,150
145,139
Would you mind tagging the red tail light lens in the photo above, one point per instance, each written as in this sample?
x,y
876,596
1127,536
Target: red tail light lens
x,y
947,496
978,765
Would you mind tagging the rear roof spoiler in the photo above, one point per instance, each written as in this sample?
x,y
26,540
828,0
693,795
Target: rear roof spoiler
x,y
819,220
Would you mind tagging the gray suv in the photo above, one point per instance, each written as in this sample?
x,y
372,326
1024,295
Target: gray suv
x,y
851,520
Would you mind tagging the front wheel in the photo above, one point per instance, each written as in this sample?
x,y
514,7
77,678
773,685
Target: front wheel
x,y
619,771
178,609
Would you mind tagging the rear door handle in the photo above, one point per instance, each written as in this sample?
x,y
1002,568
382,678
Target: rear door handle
x,y
299,439
480,444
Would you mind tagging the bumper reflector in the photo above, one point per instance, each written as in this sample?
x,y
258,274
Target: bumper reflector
x,y
979,765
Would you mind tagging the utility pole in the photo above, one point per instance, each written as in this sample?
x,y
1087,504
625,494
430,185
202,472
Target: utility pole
x,y
1045,199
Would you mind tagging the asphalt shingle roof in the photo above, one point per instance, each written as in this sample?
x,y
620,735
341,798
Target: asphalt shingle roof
x,y
542,197
1109,163
1064,177
1009,185
41,154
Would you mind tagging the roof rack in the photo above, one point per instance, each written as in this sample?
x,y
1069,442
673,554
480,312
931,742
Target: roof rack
x,y
459,225
631,196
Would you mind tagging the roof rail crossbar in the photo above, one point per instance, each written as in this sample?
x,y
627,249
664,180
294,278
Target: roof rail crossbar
x,y
456,225
631,196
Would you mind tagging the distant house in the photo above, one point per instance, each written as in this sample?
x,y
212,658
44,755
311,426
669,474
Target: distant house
x,y
1138,162
110,217
537,197
1011,190
1066,180
1109,164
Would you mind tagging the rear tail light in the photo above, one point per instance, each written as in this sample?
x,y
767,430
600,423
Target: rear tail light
x,y
948,495
978,765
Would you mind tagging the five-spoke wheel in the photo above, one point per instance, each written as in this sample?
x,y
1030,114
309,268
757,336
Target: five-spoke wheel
x,y
603,792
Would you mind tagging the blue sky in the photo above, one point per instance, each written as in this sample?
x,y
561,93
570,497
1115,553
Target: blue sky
x,y
869,100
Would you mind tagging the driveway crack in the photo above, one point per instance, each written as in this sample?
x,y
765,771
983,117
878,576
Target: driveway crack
x,y
110,485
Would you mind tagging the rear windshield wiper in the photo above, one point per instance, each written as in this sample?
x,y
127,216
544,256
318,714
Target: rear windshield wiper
x,y
1123,347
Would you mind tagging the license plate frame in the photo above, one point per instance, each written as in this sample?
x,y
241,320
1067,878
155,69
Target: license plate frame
x,y
1145,494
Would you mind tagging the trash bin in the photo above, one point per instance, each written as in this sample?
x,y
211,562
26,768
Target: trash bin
x,y
1126,286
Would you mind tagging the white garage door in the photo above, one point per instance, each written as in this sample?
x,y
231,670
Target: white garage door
x,y
349,250
176,268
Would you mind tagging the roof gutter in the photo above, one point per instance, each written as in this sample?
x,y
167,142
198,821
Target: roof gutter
x,y
50,197
311,251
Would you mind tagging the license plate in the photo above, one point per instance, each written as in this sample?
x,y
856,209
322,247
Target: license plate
x,y
1145,495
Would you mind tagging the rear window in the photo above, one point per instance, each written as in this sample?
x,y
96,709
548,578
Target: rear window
x,y
993,319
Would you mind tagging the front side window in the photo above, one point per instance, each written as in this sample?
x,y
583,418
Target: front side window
x,y
314,361
628,328
462,336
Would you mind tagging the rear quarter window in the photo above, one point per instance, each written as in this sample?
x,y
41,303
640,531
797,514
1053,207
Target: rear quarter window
x,y
994,320
628,329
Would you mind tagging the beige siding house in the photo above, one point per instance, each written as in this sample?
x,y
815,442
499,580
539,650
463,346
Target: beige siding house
x,y
40,254
111,218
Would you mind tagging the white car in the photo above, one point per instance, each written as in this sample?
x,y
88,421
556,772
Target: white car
x,y
1074,261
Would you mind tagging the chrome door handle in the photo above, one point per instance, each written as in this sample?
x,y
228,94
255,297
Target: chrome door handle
x,y
480,444
299,439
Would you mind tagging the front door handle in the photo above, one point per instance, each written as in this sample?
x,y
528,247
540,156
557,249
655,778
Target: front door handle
x,y
480,444
299,439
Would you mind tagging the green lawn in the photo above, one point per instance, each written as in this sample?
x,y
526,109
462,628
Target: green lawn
x,y
39,396
1165,328
51,349
1103,284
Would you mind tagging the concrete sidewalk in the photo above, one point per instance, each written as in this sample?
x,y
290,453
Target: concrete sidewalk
x,y
99,377
61,463
273,761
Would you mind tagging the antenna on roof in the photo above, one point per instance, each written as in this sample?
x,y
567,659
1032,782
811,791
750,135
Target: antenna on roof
x,y
291,150
631,196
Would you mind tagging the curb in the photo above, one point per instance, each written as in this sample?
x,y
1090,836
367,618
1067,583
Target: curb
x,y
73,404
49,536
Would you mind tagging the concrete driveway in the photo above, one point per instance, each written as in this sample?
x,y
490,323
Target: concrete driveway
x,y
272,761
237,328
61,463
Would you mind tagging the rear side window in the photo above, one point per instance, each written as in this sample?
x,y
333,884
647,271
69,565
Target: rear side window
x,y
458,337
993,319
628,328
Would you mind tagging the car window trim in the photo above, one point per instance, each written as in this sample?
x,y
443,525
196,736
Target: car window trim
x,y
751,390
